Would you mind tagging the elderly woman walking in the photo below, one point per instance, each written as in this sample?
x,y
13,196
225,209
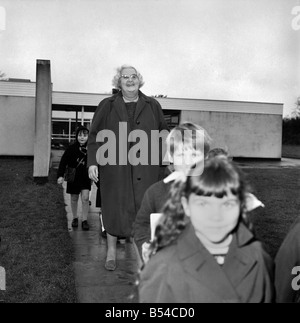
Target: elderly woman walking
x,y
119,163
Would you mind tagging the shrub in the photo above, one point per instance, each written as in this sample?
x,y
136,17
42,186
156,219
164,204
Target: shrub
x,y
291,131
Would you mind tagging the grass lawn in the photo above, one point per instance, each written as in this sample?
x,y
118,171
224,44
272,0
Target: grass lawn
x,y
36,249
279,190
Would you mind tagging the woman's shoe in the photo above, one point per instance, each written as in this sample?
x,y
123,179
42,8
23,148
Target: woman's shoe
x,y
75,223
110,265
85,226
121,240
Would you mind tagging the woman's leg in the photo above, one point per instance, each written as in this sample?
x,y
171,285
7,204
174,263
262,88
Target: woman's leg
x,y
74,205
111,247
85,204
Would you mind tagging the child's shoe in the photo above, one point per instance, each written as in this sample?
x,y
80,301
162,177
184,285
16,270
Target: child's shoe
x,y
85,226
75,223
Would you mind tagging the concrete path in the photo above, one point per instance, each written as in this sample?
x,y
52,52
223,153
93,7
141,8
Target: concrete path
x,y
94,284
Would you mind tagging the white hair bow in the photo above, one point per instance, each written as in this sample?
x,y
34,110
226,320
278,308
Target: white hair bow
x,y
252,202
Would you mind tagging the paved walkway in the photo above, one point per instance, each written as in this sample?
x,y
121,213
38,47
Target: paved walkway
x,y
94,284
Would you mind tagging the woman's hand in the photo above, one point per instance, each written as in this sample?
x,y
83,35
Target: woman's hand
x,y
93,173
60,180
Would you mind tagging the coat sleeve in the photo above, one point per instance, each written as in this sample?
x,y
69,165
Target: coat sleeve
x,y
141,225
98,124
163,126
162,122
92,145
63,163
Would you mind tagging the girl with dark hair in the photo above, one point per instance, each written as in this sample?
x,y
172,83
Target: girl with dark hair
x,y
76,157
204,249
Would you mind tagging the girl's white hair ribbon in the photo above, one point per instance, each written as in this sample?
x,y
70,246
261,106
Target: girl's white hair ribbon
x,y
252,202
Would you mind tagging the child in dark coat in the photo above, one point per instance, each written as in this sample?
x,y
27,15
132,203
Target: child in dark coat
x,y
204,250
76,157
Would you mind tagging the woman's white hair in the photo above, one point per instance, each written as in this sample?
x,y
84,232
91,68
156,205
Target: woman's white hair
x,y
116,81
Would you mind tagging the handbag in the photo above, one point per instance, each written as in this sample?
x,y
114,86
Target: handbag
x,y
71,172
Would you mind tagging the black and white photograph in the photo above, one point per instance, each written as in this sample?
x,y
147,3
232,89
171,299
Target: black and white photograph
x,y
149,154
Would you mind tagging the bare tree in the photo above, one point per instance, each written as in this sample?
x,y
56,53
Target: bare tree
x,y
2,75
296,112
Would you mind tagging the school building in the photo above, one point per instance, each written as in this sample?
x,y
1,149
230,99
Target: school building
x,y
34,119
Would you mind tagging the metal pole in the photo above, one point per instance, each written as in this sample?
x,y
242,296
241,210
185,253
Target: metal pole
x,y
70,125
82,116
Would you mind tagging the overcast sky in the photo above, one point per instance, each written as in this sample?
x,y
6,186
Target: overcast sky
x,y
246,50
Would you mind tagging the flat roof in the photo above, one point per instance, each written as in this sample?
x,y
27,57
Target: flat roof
x,y
74,101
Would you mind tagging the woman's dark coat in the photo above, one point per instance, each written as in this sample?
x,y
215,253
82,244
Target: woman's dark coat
x,y
122,186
